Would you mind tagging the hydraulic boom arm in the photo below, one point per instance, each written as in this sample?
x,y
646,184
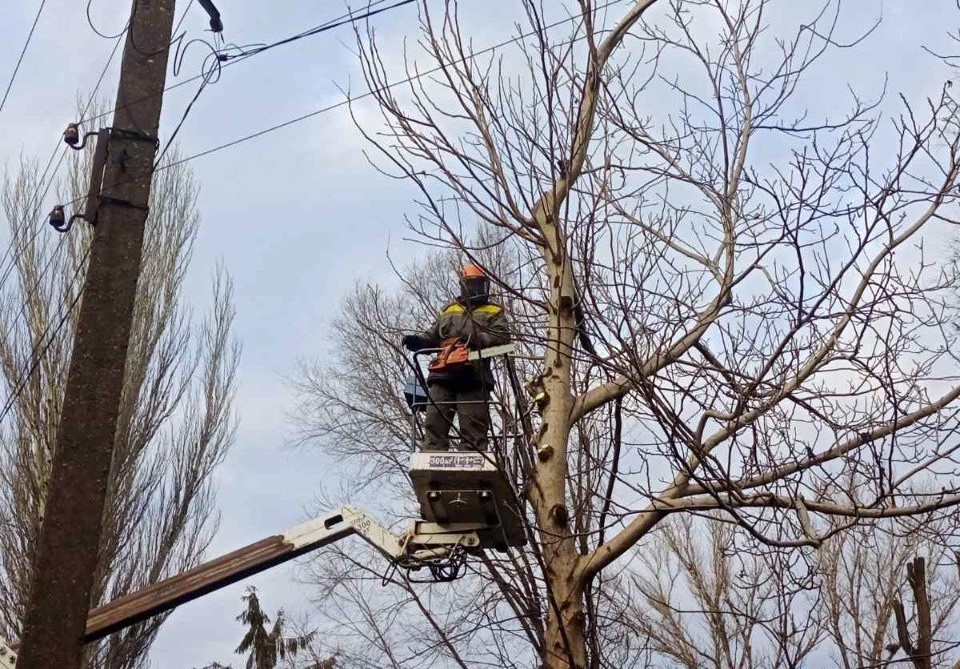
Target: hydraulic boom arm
x,y
424,545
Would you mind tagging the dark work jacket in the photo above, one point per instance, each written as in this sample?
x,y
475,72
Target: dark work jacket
x,y
482,326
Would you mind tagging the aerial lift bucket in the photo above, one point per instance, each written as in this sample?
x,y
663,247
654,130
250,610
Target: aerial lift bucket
x,y
464,489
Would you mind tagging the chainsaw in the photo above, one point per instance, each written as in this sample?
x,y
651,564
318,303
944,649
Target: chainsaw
x,y
454,353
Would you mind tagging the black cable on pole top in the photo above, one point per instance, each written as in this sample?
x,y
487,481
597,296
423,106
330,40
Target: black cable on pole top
x,y
23,52
242,53
216,24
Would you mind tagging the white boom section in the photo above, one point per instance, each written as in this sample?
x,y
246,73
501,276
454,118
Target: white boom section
x,y
423,541
340,523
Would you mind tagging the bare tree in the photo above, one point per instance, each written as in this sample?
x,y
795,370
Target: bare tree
x,y
769,335
709,598
699,592
887,626
713,596
862,572
176,421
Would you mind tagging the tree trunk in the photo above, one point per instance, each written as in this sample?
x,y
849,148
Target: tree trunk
x,y
565,637
565,641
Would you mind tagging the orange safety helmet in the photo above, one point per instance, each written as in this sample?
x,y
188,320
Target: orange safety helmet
x,y
472,272
474,284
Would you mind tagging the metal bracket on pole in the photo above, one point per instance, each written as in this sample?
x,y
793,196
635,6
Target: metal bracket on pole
x,y
96,176
92,202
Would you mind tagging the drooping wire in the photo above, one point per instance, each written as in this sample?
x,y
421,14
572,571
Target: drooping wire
x,y
211,70
177,35
100,34
23,52
243,52
213,63
183,17
219,55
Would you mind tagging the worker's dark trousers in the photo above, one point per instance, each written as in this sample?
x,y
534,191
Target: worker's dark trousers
x,y
469,405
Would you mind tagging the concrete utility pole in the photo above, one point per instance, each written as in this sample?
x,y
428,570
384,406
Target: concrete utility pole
x,y
67,553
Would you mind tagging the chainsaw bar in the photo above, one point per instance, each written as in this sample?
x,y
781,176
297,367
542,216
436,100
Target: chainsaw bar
x,y
492,352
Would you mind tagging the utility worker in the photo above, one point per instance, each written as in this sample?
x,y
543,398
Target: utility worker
x,y
462,389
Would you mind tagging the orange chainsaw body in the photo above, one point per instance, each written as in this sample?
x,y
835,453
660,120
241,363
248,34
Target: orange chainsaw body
x,y
451,354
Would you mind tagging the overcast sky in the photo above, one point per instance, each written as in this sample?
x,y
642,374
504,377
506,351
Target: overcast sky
x,y
298,216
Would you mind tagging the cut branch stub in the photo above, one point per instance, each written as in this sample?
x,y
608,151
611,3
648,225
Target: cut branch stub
x,y
920,653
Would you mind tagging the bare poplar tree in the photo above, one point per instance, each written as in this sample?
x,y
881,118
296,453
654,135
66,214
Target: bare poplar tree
x,y
864,574
176,421
770,336
708,598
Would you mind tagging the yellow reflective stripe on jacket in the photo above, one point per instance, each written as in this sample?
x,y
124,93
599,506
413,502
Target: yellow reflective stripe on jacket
x,y
488,309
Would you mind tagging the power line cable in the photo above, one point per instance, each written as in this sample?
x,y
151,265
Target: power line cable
x,y
320,29
247,51
217,59
366,94
387,87
212,76
23,52
183,17
36,354
18,243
